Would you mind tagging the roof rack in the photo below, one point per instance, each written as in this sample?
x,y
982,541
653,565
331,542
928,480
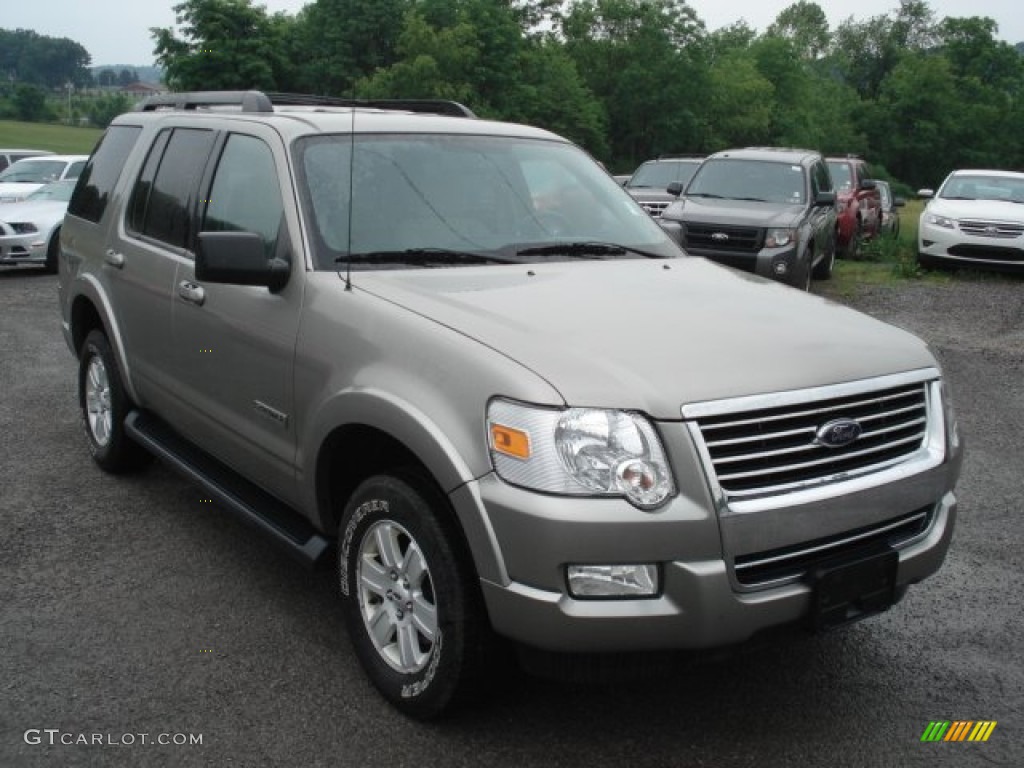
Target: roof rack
x,y
681,157
258,101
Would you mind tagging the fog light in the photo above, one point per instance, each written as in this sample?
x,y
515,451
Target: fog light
x,y
780,267
613,580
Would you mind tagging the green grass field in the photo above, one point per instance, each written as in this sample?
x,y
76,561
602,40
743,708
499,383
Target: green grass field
x,y
62,139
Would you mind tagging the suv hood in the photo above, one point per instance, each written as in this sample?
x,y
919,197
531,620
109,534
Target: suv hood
x,y
652,335
740,213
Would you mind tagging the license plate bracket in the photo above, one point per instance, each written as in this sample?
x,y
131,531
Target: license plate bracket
x,y
853,587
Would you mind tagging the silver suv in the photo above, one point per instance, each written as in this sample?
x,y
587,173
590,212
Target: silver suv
x,y
460,352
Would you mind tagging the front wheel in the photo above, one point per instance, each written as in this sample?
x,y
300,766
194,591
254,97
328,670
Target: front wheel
x,y
104,405
412,607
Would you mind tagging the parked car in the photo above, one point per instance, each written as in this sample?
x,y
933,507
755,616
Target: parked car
x,y
513,414
891,205
976,220
649,183
26,176
858,203
764,210
8,156
30,230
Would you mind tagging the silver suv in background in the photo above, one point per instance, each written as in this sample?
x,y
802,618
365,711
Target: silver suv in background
x,y
459,352
649,183
765,210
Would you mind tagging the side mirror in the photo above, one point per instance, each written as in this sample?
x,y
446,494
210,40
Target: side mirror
x,y
868,184
825,198
675,188
238,258
926,193
898,202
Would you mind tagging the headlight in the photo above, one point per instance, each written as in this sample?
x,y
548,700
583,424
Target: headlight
x,y
940,221
25,228
949,414
777,238
579,452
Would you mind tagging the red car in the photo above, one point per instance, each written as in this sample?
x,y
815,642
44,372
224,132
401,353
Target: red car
x,y
858,203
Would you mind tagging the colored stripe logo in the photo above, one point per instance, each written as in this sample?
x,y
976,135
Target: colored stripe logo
x,y
958,730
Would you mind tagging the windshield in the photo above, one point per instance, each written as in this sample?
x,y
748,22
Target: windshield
x,y
33,171
756,180
443,200
659,175
841,176
56,190
982,187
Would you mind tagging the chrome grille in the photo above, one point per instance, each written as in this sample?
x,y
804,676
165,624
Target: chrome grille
x,y
997,229
722,238
771,451
772,566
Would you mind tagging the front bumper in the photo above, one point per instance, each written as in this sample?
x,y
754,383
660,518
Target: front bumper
x,y
23,249
958,248
701,603
765,262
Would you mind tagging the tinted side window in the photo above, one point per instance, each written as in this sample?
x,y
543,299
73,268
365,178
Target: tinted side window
x,y
245,195
3,162
167,215
92,193
822,179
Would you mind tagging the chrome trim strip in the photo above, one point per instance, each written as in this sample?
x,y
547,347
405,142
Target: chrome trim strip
x,y
795,397
834,544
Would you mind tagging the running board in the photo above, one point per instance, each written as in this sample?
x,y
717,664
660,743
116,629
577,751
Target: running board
x,y
251,503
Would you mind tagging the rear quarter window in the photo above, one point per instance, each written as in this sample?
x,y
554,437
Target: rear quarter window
x,y
98,179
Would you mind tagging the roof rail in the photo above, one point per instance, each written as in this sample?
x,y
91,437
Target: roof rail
x,y
681,157
249,101
257,101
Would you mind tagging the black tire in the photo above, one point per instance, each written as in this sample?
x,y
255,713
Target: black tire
x,y
823,269
853,248
447,648
104,405
52,253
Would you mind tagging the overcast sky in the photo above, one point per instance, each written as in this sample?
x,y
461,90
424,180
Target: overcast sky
x,y
117,31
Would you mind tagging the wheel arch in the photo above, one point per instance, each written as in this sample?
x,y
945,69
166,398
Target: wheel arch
x,y
90,309
375,433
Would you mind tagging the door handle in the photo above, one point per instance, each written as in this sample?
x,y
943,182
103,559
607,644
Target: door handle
x,y
114,259
191,292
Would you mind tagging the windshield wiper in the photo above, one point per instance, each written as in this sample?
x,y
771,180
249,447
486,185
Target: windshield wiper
x,y
586,249
422,257
750,199
703,194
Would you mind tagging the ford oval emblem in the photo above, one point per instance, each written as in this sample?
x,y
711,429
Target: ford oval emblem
x,y
838,433
719,237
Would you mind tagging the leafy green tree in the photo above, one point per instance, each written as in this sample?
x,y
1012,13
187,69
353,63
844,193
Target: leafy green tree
x,y
225,44
29,103
49,62
920,147
106,78
741,103
341,41
102,109
805,25
645,61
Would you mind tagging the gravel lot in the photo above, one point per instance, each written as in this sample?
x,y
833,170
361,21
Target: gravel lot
x,y
127,606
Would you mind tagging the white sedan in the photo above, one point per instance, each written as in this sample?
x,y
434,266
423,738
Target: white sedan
x,y
976,220
24,177
30,230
